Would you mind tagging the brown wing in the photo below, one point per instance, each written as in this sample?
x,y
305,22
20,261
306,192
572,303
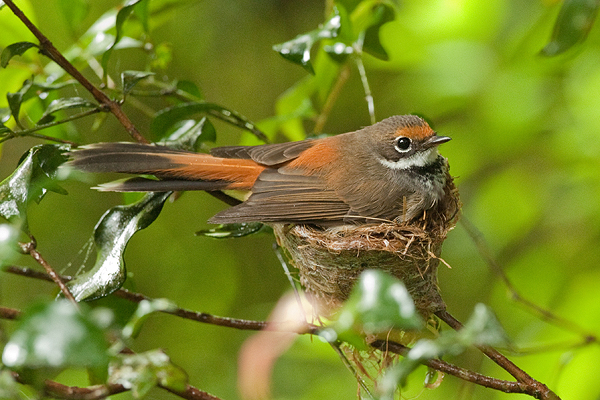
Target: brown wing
x,y
287,197
266,154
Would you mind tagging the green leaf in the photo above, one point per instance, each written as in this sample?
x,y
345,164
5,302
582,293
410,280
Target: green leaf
x,y
482,328
16,99
381,14
54,336
227,231
30,181
298,49
141,372
574,22
378,303
189,87
167,117
190,135
4,116
130,78
111,235
15,49
144,309
64,103
122,16
9,236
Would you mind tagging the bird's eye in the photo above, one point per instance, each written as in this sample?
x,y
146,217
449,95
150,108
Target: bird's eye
x,y
402,144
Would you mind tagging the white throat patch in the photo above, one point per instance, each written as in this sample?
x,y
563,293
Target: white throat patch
x,y
419,159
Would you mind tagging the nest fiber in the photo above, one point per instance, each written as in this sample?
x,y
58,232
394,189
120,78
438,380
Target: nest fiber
x,y
330,260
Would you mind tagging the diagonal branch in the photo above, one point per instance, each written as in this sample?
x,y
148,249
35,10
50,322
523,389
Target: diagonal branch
x,y
48,49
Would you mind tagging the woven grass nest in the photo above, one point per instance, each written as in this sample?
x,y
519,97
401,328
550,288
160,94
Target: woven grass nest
x,y
330,260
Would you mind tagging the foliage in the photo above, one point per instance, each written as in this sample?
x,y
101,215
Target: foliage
x,y
516,84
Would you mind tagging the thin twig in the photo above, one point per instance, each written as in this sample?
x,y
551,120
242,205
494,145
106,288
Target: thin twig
x,y
97,392
33,131
538,389
30,248
48,49
9,313
485,252
331,99
464,374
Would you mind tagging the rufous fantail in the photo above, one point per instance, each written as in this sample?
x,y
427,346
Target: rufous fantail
x,y
390,171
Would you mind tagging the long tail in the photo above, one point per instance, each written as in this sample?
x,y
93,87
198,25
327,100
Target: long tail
x,y
176,169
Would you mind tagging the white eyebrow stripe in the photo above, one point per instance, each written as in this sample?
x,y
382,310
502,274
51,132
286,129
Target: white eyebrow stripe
x,y
419,159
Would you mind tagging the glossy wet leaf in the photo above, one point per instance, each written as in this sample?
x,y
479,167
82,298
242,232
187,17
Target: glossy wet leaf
x,y
111,235
227,231
378,303
4,116
53,336
298,49
482,328
144,309
141,372
167,117
122,16
573,24
32,179
190,135
64,103
9,236
15,49
130,78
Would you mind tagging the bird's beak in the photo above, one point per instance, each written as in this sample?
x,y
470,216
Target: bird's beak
x,y
436,141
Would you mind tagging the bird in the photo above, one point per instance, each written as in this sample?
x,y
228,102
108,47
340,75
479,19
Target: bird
x,y
390,171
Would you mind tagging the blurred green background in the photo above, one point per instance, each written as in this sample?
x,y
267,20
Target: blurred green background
x,y
525,152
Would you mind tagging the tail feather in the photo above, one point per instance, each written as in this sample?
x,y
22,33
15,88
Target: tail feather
x,y
169,165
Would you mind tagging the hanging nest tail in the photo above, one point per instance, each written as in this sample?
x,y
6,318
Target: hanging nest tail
x,y
330,260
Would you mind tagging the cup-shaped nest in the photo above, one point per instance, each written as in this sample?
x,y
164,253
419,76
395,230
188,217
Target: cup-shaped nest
x,y
330,260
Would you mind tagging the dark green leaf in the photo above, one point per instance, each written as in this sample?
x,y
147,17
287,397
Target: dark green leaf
x,y
64,103
130,78
15,49
378,303
232,230
57,335
166,118
382,14
572,26
31,181
141,12
482,328
122,16
298,49
141,372
145,308
16,99
190,134
111,235
74,12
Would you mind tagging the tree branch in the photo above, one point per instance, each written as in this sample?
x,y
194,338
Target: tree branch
x,y
535,388
30,248
48,49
